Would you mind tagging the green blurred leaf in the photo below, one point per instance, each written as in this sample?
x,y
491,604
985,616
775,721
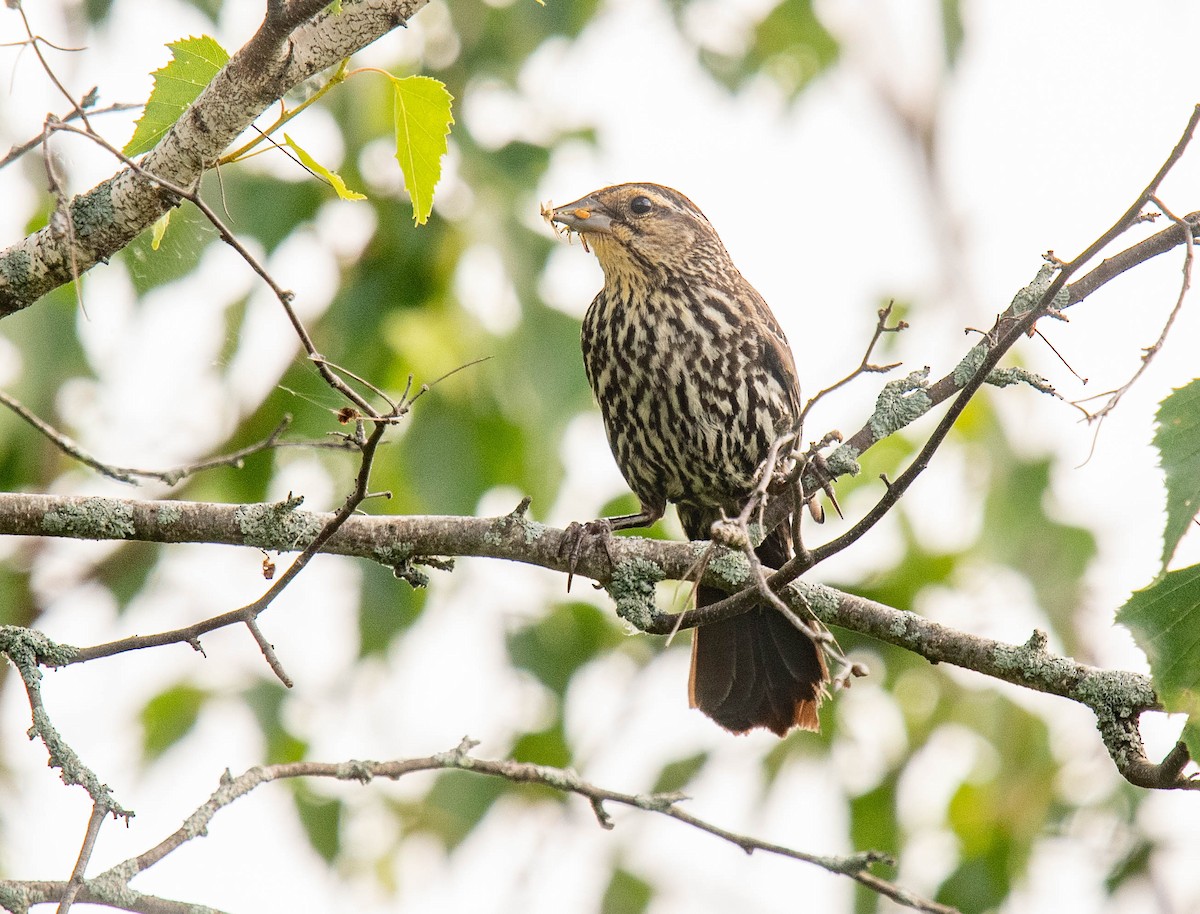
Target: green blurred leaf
x,y
422,121
952,31
1190,736
177,253
168,717
334,179
1134,864
455,804
265,699
676,775
242,193
126,578
553,648
919,568
194,63
873,826
17,606
457,455
1178,443
321,818
790,45
626,893
999,813
388,607
978,883
1165,621
546,747
1018,531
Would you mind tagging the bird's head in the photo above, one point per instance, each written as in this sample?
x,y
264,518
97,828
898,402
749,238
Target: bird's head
x,y
641,229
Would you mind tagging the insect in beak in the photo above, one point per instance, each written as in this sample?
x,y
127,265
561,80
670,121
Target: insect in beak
x,y
546,211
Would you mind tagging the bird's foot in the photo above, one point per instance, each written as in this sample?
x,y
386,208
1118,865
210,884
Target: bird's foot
x,y
816,462
576,535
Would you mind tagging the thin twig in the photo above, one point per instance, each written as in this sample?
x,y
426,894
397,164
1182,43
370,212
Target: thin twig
x,y
1148,354
99,812
268,652
131,474
192,195
865,366
19,150
855,866
35,42
1009,328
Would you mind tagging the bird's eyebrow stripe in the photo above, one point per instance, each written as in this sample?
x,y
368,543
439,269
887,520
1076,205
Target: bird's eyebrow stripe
x,y
681,202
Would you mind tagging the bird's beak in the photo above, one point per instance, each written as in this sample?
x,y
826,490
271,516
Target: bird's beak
x,y
585,216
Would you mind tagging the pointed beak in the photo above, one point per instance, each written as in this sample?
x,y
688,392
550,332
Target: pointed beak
x,y
585,216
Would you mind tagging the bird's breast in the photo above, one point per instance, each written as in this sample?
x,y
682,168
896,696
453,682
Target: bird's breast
x,y
689,408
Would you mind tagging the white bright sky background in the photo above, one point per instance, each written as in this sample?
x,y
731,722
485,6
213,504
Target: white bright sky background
x,y
1059,115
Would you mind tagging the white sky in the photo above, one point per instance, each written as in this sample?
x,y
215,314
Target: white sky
x,y
1059,116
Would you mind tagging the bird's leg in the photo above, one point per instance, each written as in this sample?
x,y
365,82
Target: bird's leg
x,y
602,528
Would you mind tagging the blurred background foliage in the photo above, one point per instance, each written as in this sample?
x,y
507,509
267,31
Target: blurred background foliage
x,y
500,424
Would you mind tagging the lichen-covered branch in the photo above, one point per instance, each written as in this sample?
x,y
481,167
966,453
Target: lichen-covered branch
x,y
29,651
628,567
295,42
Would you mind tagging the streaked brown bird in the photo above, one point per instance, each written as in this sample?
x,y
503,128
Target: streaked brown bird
x,y
695,380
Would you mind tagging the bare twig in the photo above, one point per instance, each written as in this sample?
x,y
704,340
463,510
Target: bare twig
x,y
296,41
865,366
564,780
1187,225
268,652
909,398
35,42
19,150
99,812
131,474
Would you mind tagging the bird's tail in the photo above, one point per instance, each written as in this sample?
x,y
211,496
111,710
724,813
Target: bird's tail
x,y
757,669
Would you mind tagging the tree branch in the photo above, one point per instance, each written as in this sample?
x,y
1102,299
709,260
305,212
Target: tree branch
x,y
294,43
108,888
628,567
903,401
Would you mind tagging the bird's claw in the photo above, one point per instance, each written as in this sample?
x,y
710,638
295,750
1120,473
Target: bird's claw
x,y
825,479
573,540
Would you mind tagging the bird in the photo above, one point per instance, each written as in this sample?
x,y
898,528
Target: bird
x,y
695,380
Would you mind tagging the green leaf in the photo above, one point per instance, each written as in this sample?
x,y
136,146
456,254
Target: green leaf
x,y
546,747
1165,621
322,820
265,699
159,229
452,808
423,119
1178,443
1135,864
676,775
334,179
626,893
556,646
168,717
790,45
953,31
195,62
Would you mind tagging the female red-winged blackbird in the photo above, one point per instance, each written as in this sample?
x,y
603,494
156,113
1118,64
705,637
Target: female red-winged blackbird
x,y
695,380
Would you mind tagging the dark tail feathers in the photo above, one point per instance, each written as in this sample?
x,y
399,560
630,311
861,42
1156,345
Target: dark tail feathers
x,y
757,669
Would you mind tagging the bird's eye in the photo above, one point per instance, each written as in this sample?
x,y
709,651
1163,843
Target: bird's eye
x,y
639,206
